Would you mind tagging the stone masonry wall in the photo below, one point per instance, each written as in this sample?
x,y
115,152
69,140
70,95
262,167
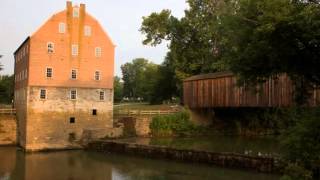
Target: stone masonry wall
x,y
48,121
8,130
231,160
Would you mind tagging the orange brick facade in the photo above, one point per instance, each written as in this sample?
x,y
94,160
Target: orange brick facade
x,y
71,41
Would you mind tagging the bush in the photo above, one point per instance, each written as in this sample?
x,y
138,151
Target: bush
x,y
301,143
296,172
174,124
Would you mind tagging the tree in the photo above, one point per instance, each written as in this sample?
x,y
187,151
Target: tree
x,y
6,89
195,43
118,89
139,78
1,64
276,36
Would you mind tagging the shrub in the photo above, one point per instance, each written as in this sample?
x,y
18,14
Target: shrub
x,y
173,124
301,143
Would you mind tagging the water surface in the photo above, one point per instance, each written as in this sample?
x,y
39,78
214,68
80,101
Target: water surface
x,y
78,165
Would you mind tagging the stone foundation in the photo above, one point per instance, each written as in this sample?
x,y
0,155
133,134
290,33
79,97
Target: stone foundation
x,y
8,130
136,126
57,122
231,160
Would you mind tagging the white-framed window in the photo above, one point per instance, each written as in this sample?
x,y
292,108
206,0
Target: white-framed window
x,y
73,74
73,94
97,75
50,47
98,51
62,27
74,50
43,94
49,72
102,95
76,12
87,30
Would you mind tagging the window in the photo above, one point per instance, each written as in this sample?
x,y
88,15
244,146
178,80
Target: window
x,y
76,12
49,73
101,95
94,112
74,50
50,46
97,75
73,94
43,94
98,51
62,27
72,120
73,74
87,30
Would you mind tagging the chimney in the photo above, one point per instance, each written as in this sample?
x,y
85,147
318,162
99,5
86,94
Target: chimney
x,y
69,8
82,9
69,4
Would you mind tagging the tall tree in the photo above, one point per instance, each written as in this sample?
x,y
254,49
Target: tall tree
x,y
118,89
1,66
6,89
139,77
255,39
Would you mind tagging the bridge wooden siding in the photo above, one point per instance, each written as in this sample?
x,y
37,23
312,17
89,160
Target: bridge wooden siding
x,y
221,90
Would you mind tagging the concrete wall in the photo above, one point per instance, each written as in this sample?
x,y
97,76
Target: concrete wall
x,y
8,126
48,121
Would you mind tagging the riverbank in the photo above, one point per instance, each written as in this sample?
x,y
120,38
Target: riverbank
x,y
222,159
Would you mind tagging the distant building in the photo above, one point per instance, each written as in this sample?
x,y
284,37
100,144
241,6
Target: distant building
x,y
63,81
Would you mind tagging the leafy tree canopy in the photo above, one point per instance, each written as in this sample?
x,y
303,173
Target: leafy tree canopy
x,y
255,39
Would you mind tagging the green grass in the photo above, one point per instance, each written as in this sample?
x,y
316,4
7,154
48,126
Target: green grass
x,y
143,106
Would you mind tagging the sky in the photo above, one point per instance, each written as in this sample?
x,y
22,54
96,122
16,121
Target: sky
x,y
120,18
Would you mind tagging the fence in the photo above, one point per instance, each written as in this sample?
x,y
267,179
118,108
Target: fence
x,y
8,111
144,112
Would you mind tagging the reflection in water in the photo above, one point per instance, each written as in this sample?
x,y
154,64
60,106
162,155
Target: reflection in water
x,y
78,165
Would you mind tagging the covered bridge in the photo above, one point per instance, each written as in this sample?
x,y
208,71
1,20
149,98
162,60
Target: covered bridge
x,y
221,90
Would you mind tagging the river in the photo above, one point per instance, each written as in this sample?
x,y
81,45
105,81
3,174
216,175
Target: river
x,y
78,165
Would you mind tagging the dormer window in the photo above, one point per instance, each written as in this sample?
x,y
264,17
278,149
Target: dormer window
x,y
87,30
76,12
62,27
98,51
74,50
50,47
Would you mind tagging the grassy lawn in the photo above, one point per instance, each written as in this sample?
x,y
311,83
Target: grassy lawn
x,y
144,106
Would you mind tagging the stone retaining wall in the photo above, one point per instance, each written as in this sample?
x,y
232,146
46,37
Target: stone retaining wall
x,y
8,130
232,160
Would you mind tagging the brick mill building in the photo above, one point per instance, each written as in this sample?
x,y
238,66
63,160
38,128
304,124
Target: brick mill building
x,y
64,81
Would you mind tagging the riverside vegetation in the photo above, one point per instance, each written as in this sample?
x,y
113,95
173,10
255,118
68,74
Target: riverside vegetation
x,y
298,130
